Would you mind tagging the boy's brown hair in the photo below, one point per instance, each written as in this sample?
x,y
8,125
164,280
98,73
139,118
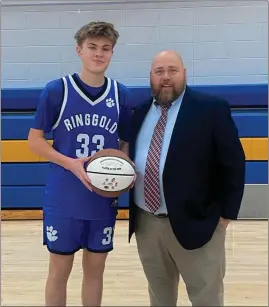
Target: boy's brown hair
x,y
97,29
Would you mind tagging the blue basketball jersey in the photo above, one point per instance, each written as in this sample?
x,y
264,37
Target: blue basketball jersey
x,y
84,126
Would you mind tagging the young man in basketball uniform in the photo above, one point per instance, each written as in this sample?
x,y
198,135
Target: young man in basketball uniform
x,y
86,112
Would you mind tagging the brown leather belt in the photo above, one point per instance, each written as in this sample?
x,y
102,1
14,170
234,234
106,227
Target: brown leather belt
x,y
159,215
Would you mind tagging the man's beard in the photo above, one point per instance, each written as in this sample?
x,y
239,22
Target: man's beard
x,y
165,96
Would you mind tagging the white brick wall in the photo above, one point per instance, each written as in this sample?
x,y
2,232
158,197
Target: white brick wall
x,y
222,42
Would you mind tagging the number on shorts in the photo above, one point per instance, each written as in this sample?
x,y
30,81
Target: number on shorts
x,y
108,231
84,139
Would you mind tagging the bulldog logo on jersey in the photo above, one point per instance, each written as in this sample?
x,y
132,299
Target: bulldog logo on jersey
x,y
110,102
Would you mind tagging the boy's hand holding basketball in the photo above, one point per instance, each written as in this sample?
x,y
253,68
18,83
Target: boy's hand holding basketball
x,y
76,166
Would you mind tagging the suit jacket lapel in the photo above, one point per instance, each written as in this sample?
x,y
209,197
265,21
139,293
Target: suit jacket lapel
x,y
138,118
180,127
180,130
142,112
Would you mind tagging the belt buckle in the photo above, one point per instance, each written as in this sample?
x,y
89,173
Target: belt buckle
x,y
161,215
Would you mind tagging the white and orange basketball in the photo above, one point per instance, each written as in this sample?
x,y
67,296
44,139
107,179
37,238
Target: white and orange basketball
x,y
111,172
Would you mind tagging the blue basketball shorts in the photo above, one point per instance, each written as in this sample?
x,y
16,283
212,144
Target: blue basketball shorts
x,y
65,236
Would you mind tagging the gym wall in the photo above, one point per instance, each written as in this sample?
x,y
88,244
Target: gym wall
x,y
223,45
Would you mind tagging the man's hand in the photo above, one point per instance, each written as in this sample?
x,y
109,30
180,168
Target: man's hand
x,y
76,166
224,222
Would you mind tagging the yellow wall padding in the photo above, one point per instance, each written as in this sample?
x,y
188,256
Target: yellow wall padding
x,y
255,148
19,151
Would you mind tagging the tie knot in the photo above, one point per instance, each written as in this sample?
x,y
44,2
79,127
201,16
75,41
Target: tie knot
x,y
164,108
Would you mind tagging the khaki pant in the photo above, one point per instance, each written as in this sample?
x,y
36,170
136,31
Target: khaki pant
x,y
164,260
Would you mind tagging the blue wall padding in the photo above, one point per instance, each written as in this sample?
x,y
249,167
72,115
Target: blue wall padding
x,y
250,95
32,197
20,183
257,172
22,197
17,126
24,174
249,124
23,183
34,174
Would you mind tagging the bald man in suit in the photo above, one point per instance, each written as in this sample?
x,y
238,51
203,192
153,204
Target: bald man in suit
x,y
190,181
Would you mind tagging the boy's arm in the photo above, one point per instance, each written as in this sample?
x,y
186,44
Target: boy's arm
x,y
125,122
48,110
46,115
125,118
40,146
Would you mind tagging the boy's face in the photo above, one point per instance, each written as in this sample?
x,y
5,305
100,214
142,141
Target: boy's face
x,y
95,54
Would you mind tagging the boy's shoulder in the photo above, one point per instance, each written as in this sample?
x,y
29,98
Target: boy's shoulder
x,y
122,87
54,86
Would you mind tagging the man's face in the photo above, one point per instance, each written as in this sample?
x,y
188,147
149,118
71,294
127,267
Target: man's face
x,y
95,54
167,79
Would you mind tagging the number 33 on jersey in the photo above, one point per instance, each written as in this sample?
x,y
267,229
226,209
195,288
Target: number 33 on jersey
x,y
84,139
87,124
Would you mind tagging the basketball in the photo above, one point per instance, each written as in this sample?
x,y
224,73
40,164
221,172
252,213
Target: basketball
x,y
111,172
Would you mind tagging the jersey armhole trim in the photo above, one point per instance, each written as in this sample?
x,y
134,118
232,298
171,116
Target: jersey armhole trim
x,y
117,96
63,103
